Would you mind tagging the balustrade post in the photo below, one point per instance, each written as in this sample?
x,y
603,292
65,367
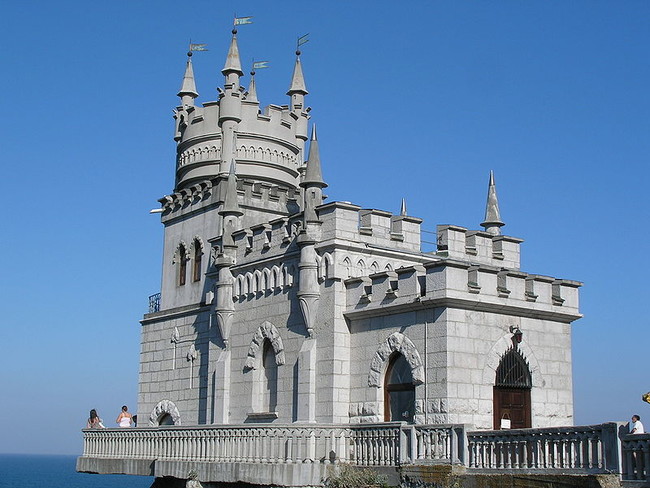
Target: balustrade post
x,y
343,446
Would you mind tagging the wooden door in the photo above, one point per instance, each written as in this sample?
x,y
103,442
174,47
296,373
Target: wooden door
x,y
513,403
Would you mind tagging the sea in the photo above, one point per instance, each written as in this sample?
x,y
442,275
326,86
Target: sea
x,y
44,471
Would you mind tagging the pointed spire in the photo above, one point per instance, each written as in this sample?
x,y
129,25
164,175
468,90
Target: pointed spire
x,y
313,173
233,64
188,87
297,80
230,204
402,210
252,89
492,221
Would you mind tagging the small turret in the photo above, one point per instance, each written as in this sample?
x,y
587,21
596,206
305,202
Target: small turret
x,y
230,104
312,182
251,95
300,113
230,211
233,63
492,222
298,89
188,88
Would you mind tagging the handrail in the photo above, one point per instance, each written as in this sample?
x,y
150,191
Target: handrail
x,y
584,449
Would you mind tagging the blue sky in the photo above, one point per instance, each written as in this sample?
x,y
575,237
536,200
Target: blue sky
x,y
415,100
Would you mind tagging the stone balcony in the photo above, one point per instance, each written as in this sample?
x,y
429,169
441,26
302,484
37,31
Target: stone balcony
x,y
303,455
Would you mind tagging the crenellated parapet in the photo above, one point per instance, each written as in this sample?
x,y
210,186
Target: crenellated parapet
x,y
463,285
478,246
251,194
266,147
343,220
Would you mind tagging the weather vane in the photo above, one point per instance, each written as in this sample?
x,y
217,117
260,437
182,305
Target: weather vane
x,y
196,47
258,65
301,40
241,21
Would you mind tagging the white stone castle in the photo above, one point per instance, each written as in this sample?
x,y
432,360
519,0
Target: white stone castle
x,y
279,307
293,335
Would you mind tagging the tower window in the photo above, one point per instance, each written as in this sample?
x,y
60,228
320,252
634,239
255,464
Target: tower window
x,y
196,270
182,265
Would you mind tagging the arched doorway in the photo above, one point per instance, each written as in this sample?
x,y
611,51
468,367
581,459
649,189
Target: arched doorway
x,y
399,390
511,400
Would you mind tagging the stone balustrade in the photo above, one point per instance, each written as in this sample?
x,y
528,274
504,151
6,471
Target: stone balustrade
x,y
589,449
385,444
636,457
302,455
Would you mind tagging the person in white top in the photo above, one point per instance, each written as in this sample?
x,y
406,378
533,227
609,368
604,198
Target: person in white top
x,y
636,427
124,419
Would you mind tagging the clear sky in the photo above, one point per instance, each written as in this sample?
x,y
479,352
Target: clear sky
x,y
416,100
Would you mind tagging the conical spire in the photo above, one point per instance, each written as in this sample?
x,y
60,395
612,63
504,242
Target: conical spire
x,y
297,80
313,173
188,87
402,209
230,204
252,89
492,221
233,64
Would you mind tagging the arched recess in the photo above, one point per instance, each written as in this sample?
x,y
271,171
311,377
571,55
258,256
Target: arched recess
x,y
399,390
347,264
496,352
511,392
395,343
165,413
265,331
196,252
395,370
181,256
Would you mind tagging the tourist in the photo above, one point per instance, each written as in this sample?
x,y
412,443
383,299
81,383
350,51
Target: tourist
x,y
94,422
124,419
636,427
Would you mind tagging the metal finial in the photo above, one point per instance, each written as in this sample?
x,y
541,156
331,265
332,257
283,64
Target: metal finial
x,y
298,53
234,32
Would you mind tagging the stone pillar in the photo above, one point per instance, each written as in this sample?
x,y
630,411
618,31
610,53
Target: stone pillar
x,y
221,409
307,381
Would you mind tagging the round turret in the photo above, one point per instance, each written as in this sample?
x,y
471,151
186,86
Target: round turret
x,y
267,146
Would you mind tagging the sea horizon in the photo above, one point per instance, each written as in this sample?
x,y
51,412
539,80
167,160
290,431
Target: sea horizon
x,y
18,470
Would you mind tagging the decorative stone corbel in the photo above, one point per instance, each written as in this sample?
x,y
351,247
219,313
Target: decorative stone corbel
x,y
309,288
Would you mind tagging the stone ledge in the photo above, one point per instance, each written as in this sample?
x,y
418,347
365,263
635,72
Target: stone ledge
x,y
93,465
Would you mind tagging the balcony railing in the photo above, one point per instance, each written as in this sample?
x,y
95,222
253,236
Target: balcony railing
x,y
636,457
386,444
300,455
591,449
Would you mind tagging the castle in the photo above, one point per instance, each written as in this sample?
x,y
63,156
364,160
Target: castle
x,y
278,307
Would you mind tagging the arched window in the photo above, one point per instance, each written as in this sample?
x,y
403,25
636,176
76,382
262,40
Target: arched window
x,y
182,265
198,253
165,419
269,379
512,387
399,390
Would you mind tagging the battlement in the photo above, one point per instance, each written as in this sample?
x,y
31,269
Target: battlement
x,y
266,239
268,143
343,220
478,246
263,197
454,283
